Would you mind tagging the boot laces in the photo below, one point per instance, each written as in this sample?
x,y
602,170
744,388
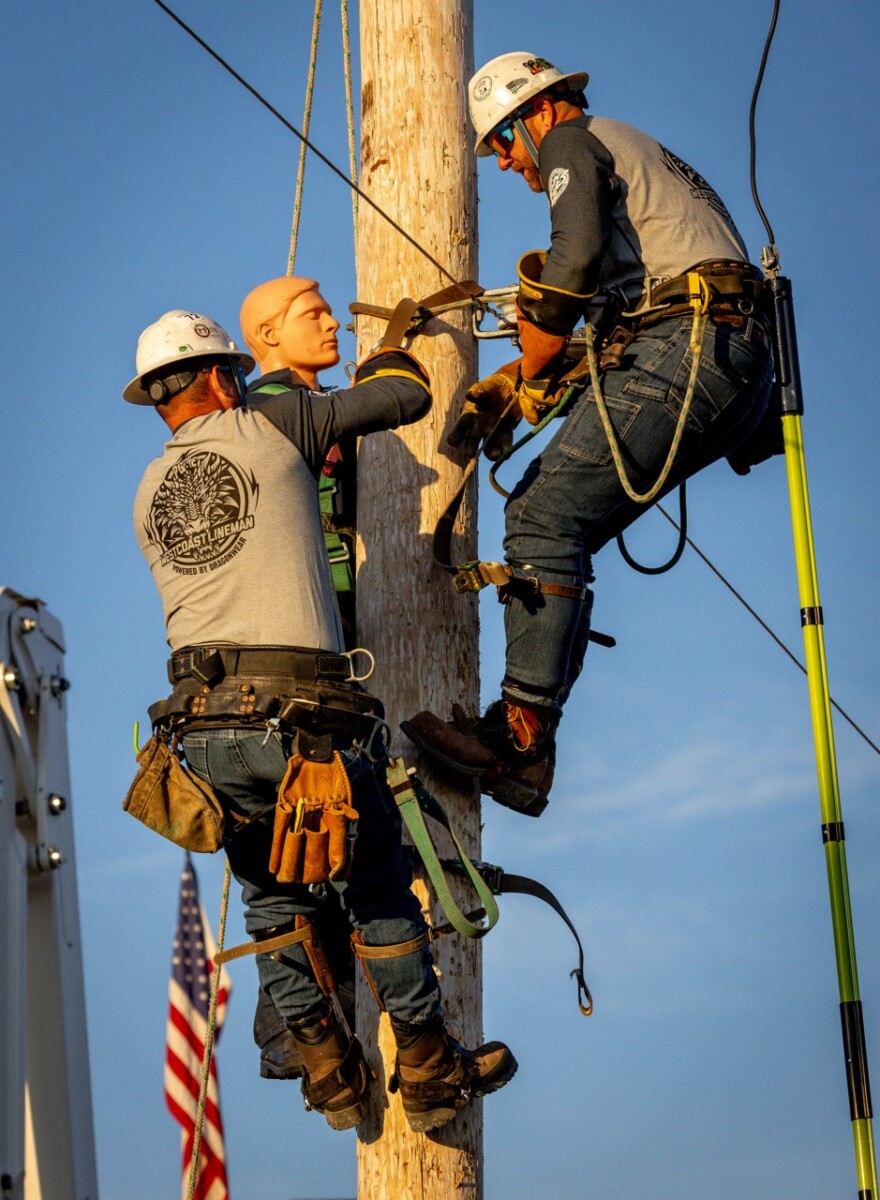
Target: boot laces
x,y
526,726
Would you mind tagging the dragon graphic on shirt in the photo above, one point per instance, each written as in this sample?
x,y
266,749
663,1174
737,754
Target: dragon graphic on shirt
x,y
201,511
699,188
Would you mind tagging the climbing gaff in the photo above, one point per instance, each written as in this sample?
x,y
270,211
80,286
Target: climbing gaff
x,y
854,1047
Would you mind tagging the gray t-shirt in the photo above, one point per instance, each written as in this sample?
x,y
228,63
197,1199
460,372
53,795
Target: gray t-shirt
x,y
228,517
623,207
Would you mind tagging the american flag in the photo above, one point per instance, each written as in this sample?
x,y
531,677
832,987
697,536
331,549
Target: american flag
x,y
188,995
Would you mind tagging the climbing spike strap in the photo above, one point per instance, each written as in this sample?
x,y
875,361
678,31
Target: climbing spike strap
x,y
504,883
414,801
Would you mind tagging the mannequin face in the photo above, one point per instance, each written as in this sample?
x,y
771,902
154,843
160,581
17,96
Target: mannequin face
x,y
305,339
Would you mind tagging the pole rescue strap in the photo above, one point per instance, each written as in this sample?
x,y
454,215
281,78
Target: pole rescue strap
x,y
409,315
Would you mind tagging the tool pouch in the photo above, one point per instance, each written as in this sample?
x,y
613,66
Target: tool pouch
x,y
315,823
173,801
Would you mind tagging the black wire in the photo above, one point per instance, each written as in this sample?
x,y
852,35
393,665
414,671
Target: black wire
x,y
752,110
314,149
779,642
681,528
679,549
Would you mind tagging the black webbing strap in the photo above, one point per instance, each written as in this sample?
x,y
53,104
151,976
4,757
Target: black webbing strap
x,y
503,883
441,542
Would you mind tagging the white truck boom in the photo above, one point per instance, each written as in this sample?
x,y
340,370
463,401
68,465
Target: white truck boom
x,y
47,1148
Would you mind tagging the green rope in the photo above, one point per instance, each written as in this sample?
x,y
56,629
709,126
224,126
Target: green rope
x,y
349,112
557,410
307,116
209,1039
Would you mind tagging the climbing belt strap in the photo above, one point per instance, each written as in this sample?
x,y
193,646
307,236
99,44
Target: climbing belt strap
x,y
414,801
409,315
504,883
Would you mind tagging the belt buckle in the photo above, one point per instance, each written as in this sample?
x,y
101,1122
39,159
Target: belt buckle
x,y
651,282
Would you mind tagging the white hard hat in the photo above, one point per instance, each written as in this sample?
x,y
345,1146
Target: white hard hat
x,y
175,337
505,83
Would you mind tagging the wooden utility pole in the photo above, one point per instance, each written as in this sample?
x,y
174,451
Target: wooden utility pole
x,y
417,164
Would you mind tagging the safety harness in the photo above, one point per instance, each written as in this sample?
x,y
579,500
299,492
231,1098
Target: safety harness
x,y
488,880
312,697
721,290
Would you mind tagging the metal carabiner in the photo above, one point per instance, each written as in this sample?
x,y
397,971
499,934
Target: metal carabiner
x,y
366,748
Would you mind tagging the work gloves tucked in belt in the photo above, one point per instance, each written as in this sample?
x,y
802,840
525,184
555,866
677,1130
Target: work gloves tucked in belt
x,y
315,822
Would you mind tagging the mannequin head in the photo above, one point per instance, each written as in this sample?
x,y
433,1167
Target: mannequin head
x,y
288,324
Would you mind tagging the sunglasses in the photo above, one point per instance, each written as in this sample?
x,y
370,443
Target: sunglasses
x,y
500,140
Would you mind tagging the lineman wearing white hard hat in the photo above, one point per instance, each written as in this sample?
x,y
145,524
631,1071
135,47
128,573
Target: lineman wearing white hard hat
x,y
638,242
267,705
188,341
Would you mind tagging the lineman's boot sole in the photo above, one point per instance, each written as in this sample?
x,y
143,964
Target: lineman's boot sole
x,y
520,797
432,1103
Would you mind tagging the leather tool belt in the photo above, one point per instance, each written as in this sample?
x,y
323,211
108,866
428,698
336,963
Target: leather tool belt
x,y
315,707
209,664
737,290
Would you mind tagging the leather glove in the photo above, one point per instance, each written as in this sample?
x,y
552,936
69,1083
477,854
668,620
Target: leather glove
x,y
542,353
537,396
484,403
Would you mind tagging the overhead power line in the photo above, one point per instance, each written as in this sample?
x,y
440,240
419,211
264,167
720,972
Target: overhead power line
x,y
314,149
779,642
413,242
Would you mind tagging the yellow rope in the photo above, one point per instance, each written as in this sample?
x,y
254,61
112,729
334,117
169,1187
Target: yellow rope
x,y
696,346
349,112
307,116
209,1040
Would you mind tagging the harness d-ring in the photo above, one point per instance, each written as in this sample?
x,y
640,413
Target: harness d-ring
x,y
349,654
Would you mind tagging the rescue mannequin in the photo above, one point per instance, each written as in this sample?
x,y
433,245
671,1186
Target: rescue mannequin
x,y
280,333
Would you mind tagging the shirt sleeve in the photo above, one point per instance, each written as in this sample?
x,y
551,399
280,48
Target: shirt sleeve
x,y
314,421
578,174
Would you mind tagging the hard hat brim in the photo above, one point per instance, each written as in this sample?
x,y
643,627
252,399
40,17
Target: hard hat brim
x,y
578,81
135,393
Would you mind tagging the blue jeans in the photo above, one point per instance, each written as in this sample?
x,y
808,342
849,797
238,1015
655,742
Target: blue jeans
x,y
245,768
570,501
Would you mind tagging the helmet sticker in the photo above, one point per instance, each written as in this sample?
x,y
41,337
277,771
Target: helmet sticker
x,y
483,88
516,85
537,65
202,330
557,183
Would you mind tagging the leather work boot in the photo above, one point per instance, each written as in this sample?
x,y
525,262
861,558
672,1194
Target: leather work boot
x,y
436,1076
511,750
280,1056
335,1076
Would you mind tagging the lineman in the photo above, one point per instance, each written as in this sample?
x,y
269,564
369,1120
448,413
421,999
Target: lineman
x,y
229,523
629,222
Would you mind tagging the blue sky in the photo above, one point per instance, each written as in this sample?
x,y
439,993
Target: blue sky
x,y
683,834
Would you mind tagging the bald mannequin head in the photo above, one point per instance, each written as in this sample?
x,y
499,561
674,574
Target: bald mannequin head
x,y
288,324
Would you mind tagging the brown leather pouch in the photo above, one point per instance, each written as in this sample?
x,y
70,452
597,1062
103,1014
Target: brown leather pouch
x,y
315,823
173,801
